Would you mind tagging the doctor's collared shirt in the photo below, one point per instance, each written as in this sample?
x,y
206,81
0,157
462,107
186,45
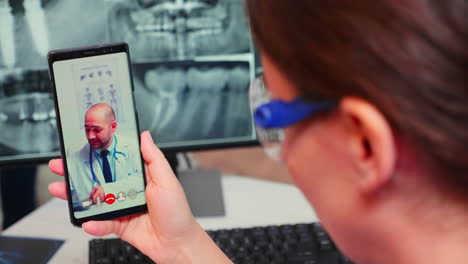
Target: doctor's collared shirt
x,y
85,168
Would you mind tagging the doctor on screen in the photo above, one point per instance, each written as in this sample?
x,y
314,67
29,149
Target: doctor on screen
x,y
104,165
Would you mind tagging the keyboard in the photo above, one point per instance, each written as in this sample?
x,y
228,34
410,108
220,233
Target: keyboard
x,y
285,244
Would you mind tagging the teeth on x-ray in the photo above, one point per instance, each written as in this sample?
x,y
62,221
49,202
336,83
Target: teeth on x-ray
x,y
207,79
214,93
163,80
7,38
36,20
27,113
176,29
30,28
3,117
239,78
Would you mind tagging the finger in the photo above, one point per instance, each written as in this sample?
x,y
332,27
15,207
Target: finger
x,y
159,169
99,228
56,166
100,192
93,191
58,189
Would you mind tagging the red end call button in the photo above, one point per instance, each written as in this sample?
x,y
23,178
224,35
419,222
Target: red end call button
x,y
110,198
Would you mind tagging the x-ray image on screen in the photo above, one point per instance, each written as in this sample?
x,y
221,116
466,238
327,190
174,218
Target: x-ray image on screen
x,y
194,101
27,115
30,28
179,29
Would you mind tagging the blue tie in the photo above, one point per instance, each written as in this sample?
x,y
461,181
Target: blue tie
x,y
105,166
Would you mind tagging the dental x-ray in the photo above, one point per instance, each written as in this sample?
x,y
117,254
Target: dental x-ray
x,y
192,63
194,102
179,29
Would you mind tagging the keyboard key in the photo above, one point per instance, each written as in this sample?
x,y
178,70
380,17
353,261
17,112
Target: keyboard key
x,y
287,229
136,259
113,247
278,257
232,243
120,260
247,261
222,235
305,261
237,233
258,232
326,245
329,257
273,231
104,260
246,242
307,253
128,249
303,228
345,260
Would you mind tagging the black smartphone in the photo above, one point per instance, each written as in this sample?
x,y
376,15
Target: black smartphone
x,y
99,134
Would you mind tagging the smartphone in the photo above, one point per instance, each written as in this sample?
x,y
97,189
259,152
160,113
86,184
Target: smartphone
x,y
98,130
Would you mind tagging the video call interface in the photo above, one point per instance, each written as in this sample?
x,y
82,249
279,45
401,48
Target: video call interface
x,y
100,134
192,62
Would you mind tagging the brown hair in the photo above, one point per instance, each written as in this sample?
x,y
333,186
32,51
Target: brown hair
x,y
409,58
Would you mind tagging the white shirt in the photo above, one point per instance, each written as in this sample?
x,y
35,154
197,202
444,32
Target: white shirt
x,y
85,170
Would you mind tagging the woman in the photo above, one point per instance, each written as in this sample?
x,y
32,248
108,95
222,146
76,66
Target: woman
x,y
385,167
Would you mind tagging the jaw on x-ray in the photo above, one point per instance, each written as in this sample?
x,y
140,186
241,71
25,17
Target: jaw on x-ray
x,y
192,62
180,29
179,98
194,101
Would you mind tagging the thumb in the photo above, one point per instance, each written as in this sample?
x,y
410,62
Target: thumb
x,y
159,170
100,228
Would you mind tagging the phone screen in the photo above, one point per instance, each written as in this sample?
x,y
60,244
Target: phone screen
x,y
100,137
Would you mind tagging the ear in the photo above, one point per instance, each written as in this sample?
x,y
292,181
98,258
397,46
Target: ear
x,y
370,143
114,126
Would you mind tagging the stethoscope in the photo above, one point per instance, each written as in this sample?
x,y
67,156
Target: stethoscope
x,y
114,155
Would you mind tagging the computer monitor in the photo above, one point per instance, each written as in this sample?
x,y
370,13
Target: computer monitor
x,y
192,63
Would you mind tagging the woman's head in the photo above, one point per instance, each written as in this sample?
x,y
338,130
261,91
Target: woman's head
x,y
399,69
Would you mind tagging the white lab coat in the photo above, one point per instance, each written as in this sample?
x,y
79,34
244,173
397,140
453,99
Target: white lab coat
x,y
128,174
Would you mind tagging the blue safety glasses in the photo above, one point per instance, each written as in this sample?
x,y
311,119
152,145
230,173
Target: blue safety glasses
x,y
272,116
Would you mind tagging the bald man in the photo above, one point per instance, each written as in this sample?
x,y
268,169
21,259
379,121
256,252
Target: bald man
x,y
100,126
106,164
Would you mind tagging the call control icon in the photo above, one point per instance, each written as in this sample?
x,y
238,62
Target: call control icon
x,y
99,201
121,196
110,198
132,194
87,203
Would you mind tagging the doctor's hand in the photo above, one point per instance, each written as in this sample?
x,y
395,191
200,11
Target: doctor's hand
x,y
97,192
168,233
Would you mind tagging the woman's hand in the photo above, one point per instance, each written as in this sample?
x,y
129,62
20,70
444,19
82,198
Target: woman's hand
x,y
168,233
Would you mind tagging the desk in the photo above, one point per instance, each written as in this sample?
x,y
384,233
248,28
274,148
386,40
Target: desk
x,y
248,202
